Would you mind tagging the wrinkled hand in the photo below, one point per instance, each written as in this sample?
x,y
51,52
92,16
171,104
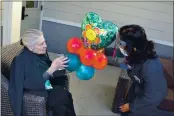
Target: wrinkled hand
x,y
125,108
58,63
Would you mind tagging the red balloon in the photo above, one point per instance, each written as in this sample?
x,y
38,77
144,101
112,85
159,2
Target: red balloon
x,y
101,61
87,57
74,44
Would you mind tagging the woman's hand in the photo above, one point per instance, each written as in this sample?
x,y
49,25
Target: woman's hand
x,y
58,63
125,108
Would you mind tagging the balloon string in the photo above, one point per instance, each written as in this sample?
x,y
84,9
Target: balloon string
x,y
115,48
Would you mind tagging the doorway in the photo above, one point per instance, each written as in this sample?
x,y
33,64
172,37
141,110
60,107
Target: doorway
x,y
31,15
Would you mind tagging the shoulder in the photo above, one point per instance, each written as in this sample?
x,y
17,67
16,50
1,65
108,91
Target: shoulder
x,y
21,58
153,68
153,65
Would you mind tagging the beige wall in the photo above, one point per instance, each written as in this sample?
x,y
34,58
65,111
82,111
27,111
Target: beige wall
x,y
155,17
12,22
16,21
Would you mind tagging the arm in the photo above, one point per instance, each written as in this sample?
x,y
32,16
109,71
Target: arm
x,y
154,90
47,76
58,73
16,86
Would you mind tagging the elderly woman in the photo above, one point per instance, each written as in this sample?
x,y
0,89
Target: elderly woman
x,y
30,71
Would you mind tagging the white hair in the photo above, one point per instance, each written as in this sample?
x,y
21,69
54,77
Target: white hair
x,y
31,37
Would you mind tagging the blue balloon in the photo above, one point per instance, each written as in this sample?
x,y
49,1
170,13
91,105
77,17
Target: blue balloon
x,y
85,72
74,62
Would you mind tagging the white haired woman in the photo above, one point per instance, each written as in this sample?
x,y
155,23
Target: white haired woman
x,y
30,71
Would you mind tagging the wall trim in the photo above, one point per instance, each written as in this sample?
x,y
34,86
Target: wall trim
x,y
70,23
62,21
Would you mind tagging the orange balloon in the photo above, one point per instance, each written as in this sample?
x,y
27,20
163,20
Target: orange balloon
x,y
81,50
101,61
74,44
87,57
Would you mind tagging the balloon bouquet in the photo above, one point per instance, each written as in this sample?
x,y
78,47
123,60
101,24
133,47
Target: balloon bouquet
x,y
87,53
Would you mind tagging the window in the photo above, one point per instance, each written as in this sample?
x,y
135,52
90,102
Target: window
x,y
31,4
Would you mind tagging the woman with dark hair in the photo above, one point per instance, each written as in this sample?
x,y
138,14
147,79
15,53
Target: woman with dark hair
x,y
148,85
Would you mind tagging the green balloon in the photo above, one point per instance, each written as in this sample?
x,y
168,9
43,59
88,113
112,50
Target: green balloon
x,y
109,29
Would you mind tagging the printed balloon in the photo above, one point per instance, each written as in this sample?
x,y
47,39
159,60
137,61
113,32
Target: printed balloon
x,y
96,32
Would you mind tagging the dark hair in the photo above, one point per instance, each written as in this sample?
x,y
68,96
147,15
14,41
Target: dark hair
x,y
136,36
150,46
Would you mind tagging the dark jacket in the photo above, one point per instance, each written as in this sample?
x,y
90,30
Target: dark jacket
x,y
149,88
27,75
25,68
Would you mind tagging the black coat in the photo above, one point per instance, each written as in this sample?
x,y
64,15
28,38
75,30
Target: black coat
x,y
27,75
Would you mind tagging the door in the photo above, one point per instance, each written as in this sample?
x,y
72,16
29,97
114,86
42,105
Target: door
x,y
1,20
31,15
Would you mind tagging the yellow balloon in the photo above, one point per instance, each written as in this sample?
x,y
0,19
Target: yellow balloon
x,y
90,34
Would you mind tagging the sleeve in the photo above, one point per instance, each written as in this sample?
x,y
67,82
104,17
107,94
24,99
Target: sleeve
x,y
16,86
154,89
59,73
47,76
